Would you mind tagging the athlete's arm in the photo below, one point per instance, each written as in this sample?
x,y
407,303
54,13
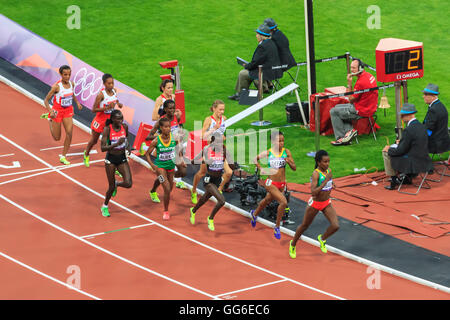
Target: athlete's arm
x,y
118,103
150,149
96,105
206,124
262,155
290,160
151,134
53,90
125,126
158,103
75,98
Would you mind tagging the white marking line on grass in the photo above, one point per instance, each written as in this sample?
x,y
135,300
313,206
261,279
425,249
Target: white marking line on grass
x,y
47,276
168,229
254,287
45,172
103,249
6,155
90,236
60,147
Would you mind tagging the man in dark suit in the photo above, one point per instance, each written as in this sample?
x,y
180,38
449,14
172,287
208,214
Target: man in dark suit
x,y
436,121
286,58
410,157
266,54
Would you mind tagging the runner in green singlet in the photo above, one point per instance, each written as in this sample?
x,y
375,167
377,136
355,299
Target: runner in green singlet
x,y
164,163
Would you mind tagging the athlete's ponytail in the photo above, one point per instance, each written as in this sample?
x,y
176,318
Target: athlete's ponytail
x,y
318,157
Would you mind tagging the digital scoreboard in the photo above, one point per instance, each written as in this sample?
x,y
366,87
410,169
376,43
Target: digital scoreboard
x,y
398,60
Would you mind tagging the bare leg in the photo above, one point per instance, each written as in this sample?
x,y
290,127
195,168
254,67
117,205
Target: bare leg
x,y
55,130
124,169
331,215
92,142
200,174
212,189
282,203
310,214
110,169
68,127
225,178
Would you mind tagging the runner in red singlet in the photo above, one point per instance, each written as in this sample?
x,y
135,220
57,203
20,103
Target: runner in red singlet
x,y
62,109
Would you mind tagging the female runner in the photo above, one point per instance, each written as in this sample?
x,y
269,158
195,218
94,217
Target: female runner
x,y
62,110
214,162
164,163
321,185
115,142
104,104
212,124
275,184
175,128
166,87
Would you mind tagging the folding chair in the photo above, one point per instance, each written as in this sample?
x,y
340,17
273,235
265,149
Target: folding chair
x,y
371,125
443,173
420,186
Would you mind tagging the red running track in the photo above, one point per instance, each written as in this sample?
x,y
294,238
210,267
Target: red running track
x,y
52,225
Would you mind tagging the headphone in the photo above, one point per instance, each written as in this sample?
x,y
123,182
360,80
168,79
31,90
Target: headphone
x,y
360,65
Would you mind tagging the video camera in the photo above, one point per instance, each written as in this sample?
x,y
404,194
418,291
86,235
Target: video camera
x,y
249,189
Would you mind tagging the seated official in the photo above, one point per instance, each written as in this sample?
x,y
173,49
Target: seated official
x,y
436,121
410,157
361,104
266,54
282,42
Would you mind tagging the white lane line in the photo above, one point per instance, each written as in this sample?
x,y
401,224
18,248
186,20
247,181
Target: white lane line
x,y
254,287
6,155
47,276
104,250
79,153
45,172
168,229
60,147
89,236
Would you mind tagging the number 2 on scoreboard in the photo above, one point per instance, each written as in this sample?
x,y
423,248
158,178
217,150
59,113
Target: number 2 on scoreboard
x,y
416,58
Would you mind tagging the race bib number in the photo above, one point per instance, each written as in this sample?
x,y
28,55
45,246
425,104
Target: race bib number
x,y
66,102
206,179
161,178
310,202
167,156
268,182
96,125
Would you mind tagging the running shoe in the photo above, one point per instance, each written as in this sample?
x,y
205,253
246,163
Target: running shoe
x,y
194,197
141,149
292,251
105,212
63,160
350,135
277,233
114,192
253,220
192,216
154,196
86,159
322,244
118,173
166,215
44,116
211,224
180,185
